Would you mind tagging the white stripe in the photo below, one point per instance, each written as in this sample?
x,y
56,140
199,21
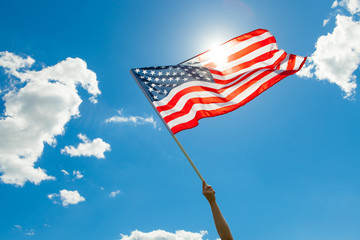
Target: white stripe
x,y
213,106
284,63
298,62
261,64
204,94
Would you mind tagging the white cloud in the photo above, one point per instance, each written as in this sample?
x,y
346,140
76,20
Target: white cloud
x,y
325,22
163,235
136,120
65,172
37,111
88,148
12,62
66,197
335,4
78,174
353,6
337,54
114,193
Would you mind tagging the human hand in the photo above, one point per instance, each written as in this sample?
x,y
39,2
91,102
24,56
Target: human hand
x,y
208,192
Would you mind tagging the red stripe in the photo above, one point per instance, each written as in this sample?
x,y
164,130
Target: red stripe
x,y
208,100
262,58
203,56
291,62
245,51
211,113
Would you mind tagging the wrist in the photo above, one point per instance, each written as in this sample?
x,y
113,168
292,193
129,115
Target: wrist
x,y
212,201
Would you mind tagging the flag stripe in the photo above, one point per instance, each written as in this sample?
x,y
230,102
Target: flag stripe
x,y
177,126
179,99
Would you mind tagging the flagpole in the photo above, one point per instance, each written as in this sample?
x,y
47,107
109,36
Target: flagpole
x,y
171,133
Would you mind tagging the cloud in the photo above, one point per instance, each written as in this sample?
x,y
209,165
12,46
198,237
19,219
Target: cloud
x,y
65,172
136,120
163,235
29,232
78,174
66,197
353,6
37,107
88,148
114,193
337,54
325,22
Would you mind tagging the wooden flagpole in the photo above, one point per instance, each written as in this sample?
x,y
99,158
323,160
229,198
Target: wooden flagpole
x,y
171,133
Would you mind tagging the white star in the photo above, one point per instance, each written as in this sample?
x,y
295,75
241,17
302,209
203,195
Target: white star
x,y
185,79
174,74
152,72
153,85
144,71
189,74
163,79
156,79
146,82
149,78
165,92
174,85
167,73
177,79
182,73
155,97
151,89
158,91
167,85
170,79
159,73
137,70
141,77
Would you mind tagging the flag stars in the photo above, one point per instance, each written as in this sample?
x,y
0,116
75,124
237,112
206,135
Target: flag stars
x,y
167,73
144,71
182,73
155,97
160,73
157,79
177,79
137,70
174,73
149,78
165,92
152,72
153,85
151,89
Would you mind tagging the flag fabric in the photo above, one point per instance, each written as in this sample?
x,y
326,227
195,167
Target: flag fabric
x,y
217,81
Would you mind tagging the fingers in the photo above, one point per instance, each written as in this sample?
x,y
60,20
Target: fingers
x,y
203,185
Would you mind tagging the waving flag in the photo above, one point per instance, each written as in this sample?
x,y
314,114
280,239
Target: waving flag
x,y
217,81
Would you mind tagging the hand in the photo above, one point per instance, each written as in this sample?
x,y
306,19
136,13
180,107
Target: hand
x,y
208,192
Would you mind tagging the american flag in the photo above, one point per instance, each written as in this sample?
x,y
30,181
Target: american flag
x,y
217,81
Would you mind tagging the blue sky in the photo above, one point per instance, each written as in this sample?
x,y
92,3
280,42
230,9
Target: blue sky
x,y
284,166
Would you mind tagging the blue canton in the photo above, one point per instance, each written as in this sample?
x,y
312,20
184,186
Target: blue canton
x,y
157,82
